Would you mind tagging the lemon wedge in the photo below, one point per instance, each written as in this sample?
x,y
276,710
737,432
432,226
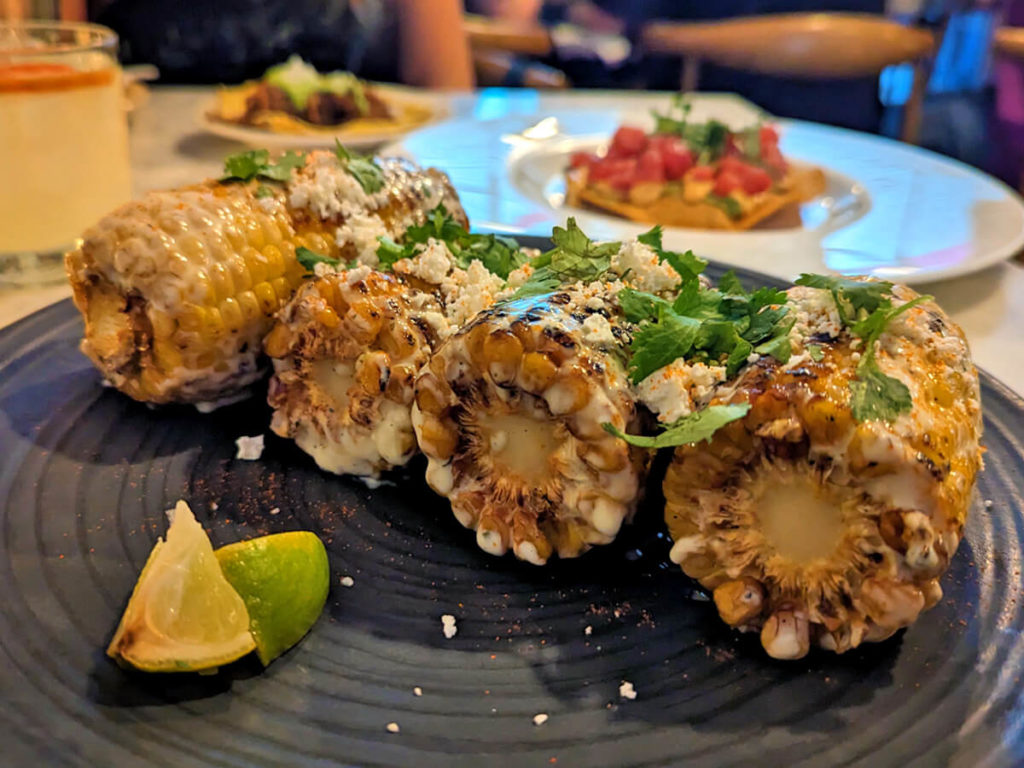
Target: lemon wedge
x,y
183,615
283,579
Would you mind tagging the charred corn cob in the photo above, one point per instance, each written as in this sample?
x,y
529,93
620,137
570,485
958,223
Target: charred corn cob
x,y
346,350
813,527
509,413
178,289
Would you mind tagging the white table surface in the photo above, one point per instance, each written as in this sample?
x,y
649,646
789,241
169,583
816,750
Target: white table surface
x,y
169,149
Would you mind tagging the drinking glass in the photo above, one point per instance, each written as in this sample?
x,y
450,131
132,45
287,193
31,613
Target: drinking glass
x,y
63,142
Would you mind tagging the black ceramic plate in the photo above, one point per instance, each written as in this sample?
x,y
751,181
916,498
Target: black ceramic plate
x,y
85,475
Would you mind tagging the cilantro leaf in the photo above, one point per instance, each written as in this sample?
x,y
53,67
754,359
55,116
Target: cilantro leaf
x,y
730,285
729,205
778,347
658,344
575,257
651,237
695,301
852,297
309,259
637,305
697,426
388,252
256,163
816,353
687,265
363,169
263,191
877,397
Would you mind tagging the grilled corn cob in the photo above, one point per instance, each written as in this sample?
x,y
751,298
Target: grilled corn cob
x,y
346,350
814,528
178,289
509,413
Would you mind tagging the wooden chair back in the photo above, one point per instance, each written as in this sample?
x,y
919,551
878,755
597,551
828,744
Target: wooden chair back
x,y
498,47
800,45
1009,42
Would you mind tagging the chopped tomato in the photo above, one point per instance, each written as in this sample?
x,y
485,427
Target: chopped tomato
x,y
755,180
769,135
580,159
732,164
628,141
650,167
726,182
772,158
702,173
675,156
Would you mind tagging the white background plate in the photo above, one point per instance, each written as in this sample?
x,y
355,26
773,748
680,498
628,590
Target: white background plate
x,y
260,137
890,210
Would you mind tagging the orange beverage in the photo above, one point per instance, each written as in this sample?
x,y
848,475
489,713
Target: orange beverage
x,y
63,142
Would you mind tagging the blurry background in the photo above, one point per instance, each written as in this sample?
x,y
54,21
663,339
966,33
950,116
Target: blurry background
x,y
971,96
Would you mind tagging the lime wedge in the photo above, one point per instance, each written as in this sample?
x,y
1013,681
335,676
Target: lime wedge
x,y
283,579
183,615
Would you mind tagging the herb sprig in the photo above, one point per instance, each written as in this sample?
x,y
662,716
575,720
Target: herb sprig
x,y
256,163
866,309
692,428
574,257
363,169
498,254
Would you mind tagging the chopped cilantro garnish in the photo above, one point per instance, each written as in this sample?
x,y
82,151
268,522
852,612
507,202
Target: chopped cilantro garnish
x,y
263,191
256,163
499,254
309,259
655,345
708,139
692,428
729,205
687,265
363,169
865,307
575,257
816,353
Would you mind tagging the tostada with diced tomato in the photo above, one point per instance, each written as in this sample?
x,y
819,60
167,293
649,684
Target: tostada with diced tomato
x,y
691,174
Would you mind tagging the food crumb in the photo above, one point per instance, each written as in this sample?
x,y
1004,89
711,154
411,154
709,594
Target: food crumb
x,y
417,691
627,691
540,719
588,631
249,448
393,728
214,506
989,504
448,626
275,511
347,581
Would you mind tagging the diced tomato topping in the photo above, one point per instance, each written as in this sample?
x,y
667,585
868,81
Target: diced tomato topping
x,y
675,156
769,135
755,180
628,141
702,173
726,182
732,164
580,159
772,158
650,167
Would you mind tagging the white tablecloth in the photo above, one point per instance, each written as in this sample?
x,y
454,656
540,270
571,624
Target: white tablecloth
x,y
169,149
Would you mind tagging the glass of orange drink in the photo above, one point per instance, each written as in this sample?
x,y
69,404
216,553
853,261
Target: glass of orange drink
x,y
63,142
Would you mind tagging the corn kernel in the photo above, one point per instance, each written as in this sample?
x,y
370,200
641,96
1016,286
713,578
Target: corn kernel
x,y
266,297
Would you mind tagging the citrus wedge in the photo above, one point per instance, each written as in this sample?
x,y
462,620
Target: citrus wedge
x,y
283,579
183,615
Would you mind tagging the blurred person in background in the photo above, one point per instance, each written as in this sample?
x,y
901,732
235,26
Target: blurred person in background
x,y
417,42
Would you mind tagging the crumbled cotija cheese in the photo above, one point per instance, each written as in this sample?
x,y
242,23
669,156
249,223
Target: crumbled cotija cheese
x,y
361,272
645,271
468,292
815,312
324,187
362,231
673,391
597,331
249,448
432,264
448,626
627,691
